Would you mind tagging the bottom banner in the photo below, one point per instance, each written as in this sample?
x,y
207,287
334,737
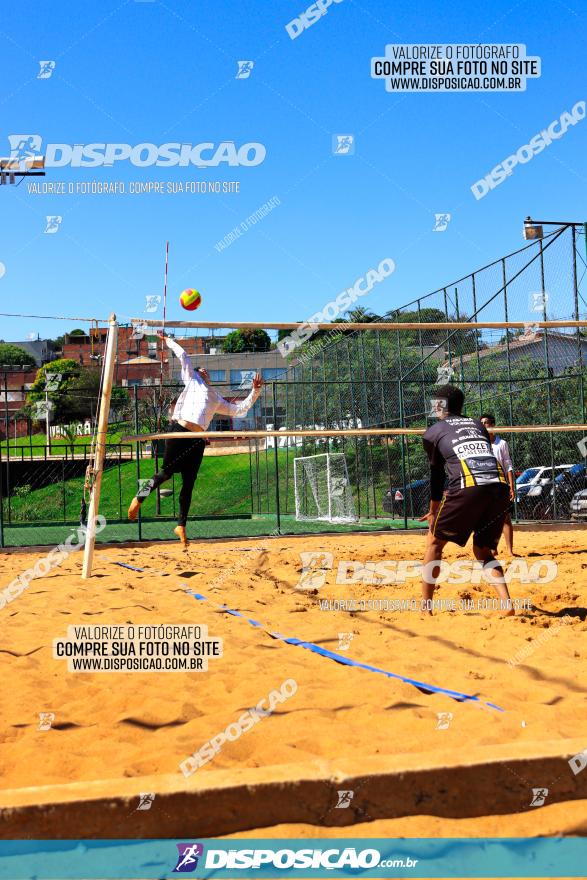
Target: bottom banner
x,y
276,858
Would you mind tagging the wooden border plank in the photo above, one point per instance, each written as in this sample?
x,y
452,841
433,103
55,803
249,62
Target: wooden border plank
x,y
486,780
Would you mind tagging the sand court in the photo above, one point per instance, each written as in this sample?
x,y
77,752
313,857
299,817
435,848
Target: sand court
x,y
112,731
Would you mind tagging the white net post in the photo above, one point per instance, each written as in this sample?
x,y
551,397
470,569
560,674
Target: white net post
x,y
100,453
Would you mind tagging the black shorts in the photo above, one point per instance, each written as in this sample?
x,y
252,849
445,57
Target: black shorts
x,y
182,455
480,510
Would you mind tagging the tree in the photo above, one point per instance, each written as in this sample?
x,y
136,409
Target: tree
x,y
72,390
80,396
246,340
359,315
119,398
154,409
512,335
459,341
15,356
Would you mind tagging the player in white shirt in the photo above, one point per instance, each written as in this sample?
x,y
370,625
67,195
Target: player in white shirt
x,y
501,451
195,408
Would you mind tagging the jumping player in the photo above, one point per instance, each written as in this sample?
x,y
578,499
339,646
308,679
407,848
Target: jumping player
x,y
196,406
501,451
476,499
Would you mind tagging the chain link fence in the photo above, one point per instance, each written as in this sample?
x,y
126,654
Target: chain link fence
x,y
338,380
530,376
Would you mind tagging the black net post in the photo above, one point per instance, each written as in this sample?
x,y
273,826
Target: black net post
x,y
138,453
276,458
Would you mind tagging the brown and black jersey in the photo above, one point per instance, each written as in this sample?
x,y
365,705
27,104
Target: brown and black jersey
x,y
462,446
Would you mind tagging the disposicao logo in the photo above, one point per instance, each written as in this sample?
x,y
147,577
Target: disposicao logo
x,y
187,860
26,147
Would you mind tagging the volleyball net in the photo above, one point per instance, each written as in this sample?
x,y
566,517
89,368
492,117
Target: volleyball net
x,y
247,484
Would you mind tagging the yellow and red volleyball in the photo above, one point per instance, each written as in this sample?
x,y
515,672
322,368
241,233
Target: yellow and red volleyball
x,y
190,299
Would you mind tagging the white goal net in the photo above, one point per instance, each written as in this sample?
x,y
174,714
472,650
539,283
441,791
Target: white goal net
x,y
322,488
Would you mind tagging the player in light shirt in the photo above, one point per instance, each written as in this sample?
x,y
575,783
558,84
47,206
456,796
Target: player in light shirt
x,y
195,408
502,452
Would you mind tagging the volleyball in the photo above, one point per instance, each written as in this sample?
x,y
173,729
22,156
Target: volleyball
x,y
190,299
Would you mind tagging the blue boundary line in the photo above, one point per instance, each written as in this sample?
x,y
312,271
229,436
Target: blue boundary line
x,y
331,655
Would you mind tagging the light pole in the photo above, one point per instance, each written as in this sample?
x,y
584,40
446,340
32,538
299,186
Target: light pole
x,y
533,228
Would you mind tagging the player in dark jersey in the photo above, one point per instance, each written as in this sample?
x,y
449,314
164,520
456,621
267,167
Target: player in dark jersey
x,y
477,495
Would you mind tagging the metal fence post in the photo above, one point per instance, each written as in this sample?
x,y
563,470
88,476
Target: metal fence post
x,y
8,481
120,480
138,452
157,492
285,390
1,499
276,457
461,344
479,385
358,464
403,442
63,489
549,377
576,315
6,418
251,478
383,408
509,366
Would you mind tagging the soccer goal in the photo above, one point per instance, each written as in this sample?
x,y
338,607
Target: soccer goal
x,y
322,488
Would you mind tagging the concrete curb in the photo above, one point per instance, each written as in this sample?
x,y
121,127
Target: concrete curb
x,y
488,780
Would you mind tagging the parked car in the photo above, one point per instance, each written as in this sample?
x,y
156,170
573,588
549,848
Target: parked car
x,y
557,494
413,498
578,505
531,485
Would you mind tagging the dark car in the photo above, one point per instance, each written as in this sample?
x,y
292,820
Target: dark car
x,y
532,489
412,500
558,494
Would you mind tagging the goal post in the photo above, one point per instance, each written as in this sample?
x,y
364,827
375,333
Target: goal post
x,y
322,488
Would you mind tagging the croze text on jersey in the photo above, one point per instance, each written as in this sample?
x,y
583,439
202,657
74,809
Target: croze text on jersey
x,y
462,446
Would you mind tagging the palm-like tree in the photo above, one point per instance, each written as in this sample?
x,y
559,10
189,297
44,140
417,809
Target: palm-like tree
x,y
359,315
70,434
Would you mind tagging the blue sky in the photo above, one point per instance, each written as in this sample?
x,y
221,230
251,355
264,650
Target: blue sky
x,y
134,72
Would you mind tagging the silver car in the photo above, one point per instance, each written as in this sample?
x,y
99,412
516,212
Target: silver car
x,y
578,505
